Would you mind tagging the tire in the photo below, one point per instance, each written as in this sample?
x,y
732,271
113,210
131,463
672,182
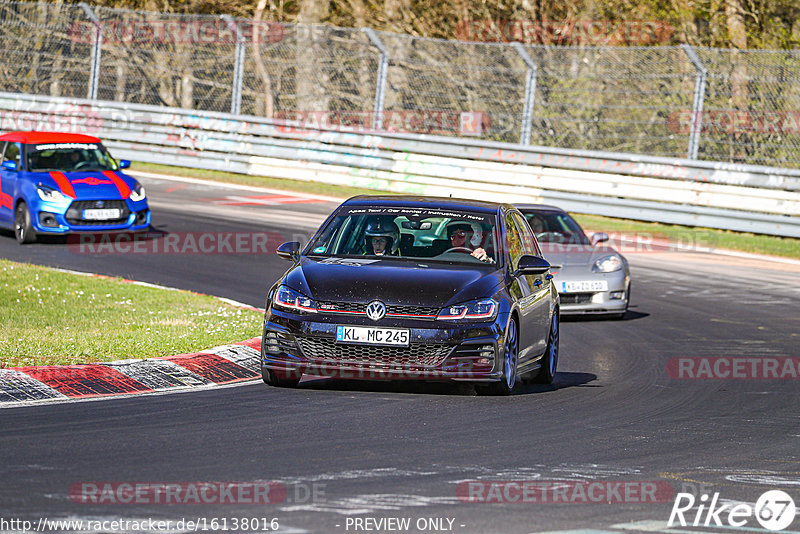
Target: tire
x,y
271,378
23,229
510,354
550,359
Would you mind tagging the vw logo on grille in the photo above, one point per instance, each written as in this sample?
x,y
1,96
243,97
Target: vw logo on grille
x,y
376,310
99,204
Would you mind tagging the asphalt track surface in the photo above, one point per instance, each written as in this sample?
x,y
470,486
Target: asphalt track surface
x,y
400,450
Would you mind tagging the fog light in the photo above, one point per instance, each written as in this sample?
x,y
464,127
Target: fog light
x,y
141,217
617,295
47,219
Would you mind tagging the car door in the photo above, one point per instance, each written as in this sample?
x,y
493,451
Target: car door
x,y
8,182
535,307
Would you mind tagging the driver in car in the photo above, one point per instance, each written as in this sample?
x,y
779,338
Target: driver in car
x,y
460,235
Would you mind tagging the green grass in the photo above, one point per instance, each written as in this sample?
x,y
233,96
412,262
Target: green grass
x,y
55,318
315,188
701,238
704,238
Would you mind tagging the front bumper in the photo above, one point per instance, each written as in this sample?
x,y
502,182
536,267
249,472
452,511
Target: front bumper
x,y
49,218
294,345
611,301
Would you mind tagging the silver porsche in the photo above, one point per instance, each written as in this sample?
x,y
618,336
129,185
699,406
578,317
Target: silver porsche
x,y
592,278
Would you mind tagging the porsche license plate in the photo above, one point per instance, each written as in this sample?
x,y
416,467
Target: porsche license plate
x,y
584,286
371,335
101,214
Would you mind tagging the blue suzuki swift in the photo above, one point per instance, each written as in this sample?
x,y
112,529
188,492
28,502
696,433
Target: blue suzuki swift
x,y
59,183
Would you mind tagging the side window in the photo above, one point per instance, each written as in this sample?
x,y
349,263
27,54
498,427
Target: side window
x,y
529,244
12,153
513,242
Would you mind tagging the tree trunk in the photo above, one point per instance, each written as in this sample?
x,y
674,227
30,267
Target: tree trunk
x,y
737,33
258,37
311,77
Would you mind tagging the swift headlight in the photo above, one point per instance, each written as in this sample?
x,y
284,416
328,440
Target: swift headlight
x,y
477,310
51,195
607,264
289,299
137,193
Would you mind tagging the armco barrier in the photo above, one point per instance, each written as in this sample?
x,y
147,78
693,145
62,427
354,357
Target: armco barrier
x,y
718,195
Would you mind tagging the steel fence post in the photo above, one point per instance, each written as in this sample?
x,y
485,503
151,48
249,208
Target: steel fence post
x,y
530,94
699,99
94,72
380,84
238,66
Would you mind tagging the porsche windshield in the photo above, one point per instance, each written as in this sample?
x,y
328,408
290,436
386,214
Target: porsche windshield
x,y
556,228
69,157
411,233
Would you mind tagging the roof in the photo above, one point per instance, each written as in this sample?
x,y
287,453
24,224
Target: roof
x,y
539,208
47,137
426,202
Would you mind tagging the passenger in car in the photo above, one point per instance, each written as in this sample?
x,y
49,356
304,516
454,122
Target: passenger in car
x,y
460,235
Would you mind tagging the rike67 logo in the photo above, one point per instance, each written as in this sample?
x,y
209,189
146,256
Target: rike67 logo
x,y
774,510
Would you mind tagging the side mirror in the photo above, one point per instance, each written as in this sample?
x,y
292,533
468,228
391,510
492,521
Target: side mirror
x,y
289,251
10,165
532,265
599,237
124,163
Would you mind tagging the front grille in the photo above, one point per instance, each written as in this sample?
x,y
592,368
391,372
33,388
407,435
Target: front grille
x,y
576,298
413,312
415,355
74,214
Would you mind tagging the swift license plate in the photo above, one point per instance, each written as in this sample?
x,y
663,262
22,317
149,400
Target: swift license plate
x,y
101,214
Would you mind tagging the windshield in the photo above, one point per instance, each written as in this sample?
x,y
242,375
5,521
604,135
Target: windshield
x,y
556,228
69,157
410,233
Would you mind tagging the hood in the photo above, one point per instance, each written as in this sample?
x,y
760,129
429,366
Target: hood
x,y
568,255
90,185
392,282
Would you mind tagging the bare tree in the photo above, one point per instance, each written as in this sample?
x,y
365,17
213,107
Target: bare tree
x,y
269,108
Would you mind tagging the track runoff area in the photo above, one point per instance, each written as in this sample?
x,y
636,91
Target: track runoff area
x,y
681,417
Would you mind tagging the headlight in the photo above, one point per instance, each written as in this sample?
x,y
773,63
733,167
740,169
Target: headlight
x,y
137,193
51,195
484,309
607,264
290,299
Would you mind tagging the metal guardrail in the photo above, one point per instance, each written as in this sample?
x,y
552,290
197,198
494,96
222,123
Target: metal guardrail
x,y
718,195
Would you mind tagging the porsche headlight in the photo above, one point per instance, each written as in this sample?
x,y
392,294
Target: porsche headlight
x,y
290,299
137,193
48,194
477,310
607,264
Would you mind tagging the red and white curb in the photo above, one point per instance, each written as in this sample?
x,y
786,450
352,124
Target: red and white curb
x,y
221,365
226,364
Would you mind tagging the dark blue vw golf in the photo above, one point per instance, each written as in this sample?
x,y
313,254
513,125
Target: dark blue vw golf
x,y
397,287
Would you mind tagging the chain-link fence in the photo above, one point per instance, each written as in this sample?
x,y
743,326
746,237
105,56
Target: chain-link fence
x,y
711,104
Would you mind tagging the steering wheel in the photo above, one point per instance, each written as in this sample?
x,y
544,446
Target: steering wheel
x,y
550,237
81,164
465,250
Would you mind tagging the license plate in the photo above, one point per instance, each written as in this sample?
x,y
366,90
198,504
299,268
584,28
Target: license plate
x,y
101,214
371,335
584,287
